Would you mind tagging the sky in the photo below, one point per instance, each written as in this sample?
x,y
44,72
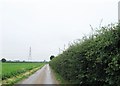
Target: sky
x,y
49,26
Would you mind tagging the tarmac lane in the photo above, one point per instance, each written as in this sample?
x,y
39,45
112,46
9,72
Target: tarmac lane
x,y
43,76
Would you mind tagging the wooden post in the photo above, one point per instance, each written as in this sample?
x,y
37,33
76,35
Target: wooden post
x,y
119,11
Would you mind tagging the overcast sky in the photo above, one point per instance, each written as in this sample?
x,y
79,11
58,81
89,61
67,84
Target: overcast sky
x,y
47,25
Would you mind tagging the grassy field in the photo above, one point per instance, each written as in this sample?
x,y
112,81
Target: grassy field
x,y
13,69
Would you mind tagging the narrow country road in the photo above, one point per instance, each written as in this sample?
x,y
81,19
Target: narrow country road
x,y
42,76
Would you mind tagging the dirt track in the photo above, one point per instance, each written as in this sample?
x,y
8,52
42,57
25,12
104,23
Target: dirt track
x,y
42,76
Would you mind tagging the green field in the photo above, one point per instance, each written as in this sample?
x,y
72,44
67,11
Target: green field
x,y
13,69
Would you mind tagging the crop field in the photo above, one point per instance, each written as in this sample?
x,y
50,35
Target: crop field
x,y
12,69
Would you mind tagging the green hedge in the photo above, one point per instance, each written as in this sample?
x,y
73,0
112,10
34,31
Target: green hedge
x,y
92,61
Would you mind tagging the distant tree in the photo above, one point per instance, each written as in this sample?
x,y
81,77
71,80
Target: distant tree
x,y
23,61
3,60
51,57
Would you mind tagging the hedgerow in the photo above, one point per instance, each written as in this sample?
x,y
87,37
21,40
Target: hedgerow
x,y
95,60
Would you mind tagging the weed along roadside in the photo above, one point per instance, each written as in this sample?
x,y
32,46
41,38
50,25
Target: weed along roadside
x,y
93,61
18,71
60,79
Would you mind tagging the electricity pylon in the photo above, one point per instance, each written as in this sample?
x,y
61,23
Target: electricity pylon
x,y
30,57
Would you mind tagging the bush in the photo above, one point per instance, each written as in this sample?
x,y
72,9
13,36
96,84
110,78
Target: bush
x,y
92,61
51,57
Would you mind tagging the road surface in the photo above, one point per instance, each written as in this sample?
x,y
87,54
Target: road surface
x,y
42,76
